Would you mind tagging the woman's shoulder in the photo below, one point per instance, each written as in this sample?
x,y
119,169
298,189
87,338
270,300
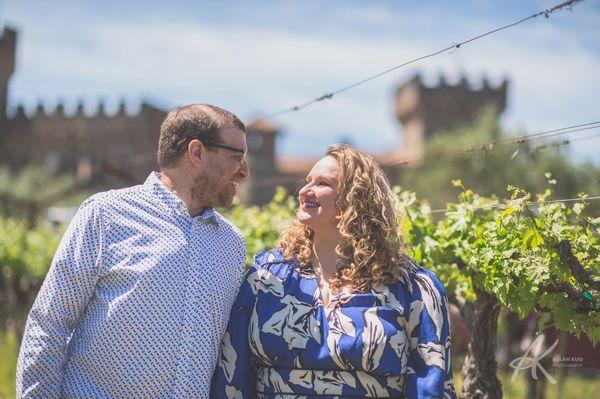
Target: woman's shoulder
x,y
270,256
418,279
273,261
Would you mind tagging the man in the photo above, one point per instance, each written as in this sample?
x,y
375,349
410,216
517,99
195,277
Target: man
x,y
139,291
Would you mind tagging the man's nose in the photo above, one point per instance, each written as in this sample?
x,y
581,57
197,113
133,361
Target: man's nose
x,y
244,170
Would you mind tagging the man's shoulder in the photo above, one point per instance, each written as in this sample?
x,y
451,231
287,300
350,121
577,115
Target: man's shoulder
x,y
112,198
228,226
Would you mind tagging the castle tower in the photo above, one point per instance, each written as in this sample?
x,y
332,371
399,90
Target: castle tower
x,y
8,42
261,185
425,111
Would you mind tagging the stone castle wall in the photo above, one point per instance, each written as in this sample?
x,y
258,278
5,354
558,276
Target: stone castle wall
x,y
87,145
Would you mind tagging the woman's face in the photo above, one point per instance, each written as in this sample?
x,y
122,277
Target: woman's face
x,y
317,198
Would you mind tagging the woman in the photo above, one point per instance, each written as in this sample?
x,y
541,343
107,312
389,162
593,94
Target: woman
x,y
337,309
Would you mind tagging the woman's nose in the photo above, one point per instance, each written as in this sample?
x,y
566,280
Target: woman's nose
x,y
304,189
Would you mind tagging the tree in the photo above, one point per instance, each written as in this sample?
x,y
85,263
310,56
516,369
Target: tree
x,y
489,169
33,190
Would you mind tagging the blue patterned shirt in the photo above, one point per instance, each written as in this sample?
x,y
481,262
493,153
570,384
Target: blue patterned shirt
x,y
136,300
284,342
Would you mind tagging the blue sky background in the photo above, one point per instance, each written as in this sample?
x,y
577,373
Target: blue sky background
x,y
258,57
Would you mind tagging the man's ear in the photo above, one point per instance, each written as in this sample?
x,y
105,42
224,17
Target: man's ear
x,y
196,152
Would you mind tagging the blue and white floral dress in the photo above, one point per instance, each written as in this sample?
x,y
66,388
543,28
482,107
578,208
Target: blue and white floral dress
x,y
282,342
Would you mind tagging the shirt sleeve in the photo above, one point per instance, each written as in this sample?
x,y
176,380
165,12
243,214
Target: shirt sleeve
x,y
235,376
61,301
428,330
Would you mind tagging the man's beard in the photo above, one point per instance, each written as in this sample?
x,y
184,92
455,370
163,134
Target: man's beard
x,y
207,192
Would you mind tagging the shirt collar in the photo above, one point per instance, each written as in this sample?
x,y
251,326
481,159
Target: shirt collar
x,y
172,202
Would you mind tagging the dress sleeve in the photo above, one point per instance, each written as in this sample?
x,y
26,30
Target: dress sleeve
x,y
428,330
235,376
61,301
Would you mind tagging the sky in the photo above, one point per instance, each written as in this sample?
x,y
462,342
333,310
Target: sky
x,y
256,58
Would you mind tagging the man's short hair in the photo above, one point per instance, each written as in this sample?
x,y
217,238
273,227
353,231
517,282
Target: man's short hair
x,y
195,121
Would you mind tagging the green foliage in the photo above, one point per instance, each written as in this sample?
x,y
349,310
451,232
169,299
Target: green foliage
x,y
33,183
9,350
262,226
25,252
511,251
25,256
29,193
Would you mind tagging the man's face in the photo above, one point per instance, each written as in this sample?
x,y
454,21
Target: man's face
x,y
224,170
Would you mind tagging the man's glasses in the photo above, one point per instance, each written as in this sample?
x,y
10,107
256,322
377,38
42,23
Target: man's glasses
x,y
226,147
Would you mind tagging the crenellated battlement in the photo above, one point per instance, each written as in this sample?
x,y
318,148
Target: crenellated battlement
x,y
75,139
62,111
415,97
425,110
463,84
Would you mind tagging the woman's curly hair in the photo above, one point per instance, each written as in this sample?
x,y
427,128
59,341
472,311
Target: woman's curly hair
x,y
371,251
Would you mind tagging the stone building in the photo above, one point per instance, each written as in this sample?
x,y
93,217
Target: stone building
x,y
103,150
426,111
108,151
